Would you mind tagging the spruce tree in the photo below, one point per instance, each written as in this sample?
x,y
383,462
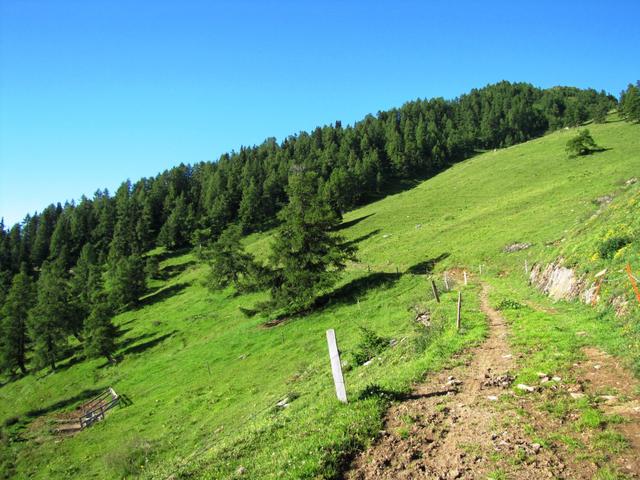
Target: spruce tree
x,y
152,267
127,282
630,103
249,213
582,144
48,319
99,332
85,283
306,257
13,323
229,263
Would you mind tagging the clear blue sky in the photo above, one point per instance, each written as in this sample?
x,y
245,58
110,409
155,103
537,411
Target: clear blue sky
x,y
94,92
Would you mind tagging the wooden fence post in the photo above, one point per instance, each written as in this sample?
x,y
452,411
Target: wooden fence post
x,y
435,291
632,279
336,367
465,277
459,308
526,267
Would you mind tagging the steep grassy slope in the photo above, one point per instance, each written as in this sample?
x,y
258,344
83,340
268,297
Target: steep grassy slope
x,y
203,380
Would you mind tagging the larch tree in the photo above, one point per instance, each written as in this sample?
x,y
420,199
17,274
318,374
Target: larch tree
x,y
306,257
99,331
13,323
229,263
48,319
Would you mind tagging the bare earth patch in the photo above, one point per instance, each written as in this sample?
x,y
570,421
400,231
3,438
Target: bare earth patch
x,y
617,392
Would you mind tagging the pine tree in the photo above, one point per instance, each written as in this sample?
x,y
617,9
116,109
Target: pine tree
x,y
152,267
249,213
176,231
127,282
13,326
85,283
49,317
61,241
305,256
630,103
229,263
99,331
582,144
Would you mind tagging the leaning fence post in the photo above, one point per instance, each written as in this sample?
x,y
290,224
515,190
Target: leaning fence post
x,y
435,291
459,307
632,279
336,368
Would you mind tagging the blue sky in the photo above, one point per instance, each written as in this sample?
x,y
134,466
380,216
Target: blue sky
x,y
92,93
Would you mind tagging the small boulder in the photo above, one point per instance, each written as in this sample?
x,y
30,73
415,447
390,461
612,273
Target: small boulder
x,y
516,247
525,388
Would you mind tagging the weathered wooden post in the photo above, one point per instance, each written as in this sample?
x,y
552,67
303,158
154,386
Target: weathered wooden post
x,y
480,267
465,278
459,308
526,267
336,367
446,281
435,291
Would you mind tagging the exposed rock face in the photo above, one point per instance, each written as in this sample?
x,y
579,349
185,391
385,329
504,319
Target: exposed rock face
x,y
560,283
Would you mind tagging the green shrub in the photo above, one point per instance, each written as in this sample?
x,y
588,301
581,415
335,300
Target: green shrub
x,y
608,247
370,345
508,304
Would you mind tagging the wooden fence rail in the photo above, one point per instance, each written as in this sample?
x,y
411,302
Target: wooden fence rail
x,y
89,412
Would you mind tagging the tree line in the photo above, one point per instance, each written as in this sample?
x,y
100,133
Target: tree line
x,y
66,270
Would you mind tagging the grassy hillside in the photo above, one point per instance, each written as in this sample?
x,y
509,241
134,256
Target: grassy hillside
x,y
203,380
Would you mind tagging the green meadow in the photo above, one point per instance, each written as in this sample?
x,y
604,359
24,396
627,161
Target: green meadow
x,y
202,379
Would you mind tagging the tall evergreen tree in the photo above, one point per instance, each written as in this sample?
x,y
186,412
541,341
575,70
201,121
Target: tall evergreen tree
x,y
13,323
305,256
229,263
630,103
127,281
48,319
250,211
176,231
84,285
99,331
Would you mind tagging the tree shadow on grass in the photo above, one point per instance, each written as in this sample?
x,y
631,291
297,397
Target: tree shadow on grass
x,y
130,341
171,271
162,294
141,347
355,289
426,267
362,238
351,223
166,255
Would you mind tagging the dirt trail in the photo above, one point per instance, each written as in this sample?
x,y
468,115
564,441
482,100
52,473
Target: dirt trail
x,y
614,386
454,427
